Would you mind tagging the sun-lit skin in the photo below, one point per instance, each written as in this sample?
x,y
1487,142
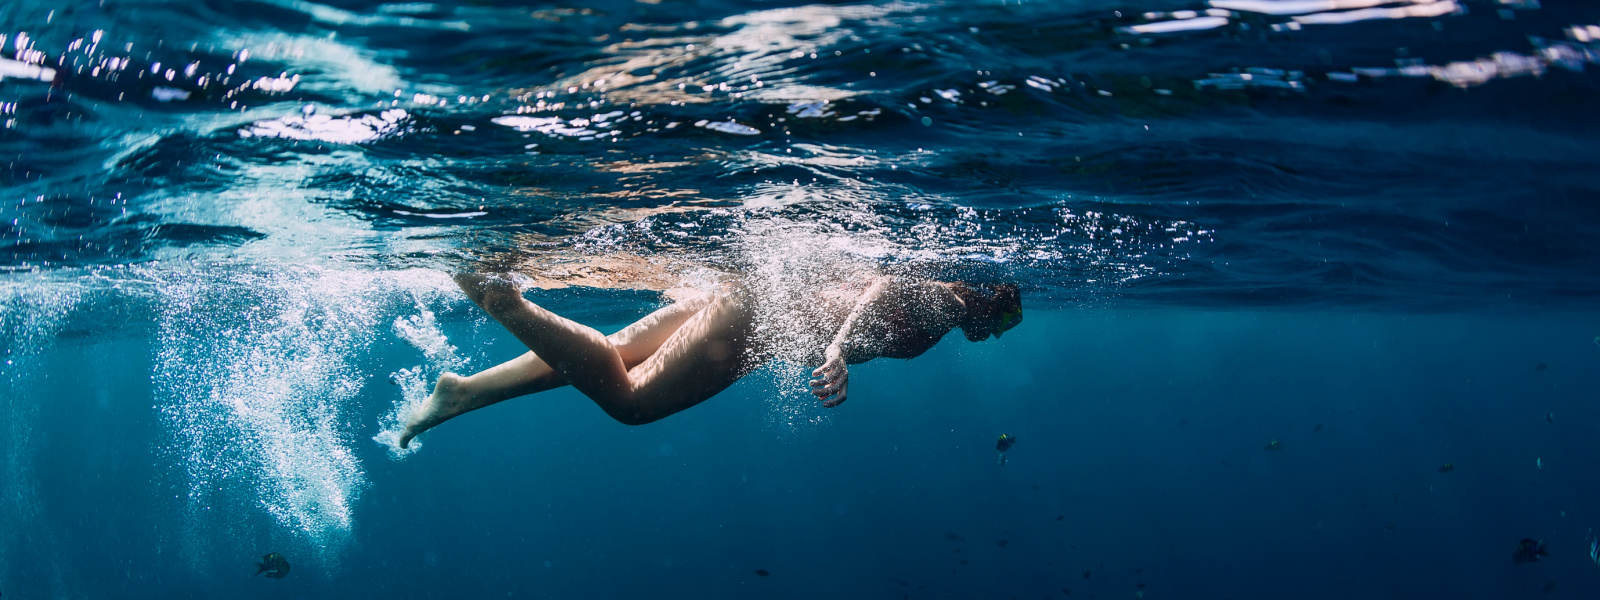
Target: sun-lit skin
x,y
688,351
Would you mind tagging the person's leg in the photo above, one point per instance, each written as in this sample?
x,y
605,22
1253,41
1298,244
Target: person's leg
x,y
455,395
710,352
528,374
702,357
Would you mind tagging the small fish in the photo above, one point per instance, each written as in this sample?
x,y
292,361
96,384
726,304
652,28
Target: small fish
x,y
274,565
1317,429
1549,586
1447,467
1005,442
1085,573
1274,445
1540,367
954,537
1390,526
762,573
1528,551
1538,462
1060,517
1002,543
1549,417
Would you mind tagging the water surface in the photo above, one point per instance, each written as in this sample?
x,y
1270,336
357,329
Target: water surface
x,y
1362,229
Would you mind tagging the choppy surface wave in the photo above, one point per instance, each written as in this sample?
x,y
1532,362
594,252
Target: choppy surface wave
x,y
1236,152
271,186
1400,154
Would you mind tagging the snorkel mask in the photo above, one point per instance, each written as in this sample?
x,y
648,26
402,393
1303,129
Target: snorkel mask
x,y
1008,320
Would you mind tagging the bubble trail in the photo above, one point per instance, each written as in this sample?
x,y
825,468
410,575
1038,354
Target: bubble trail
x,y
422,332
32,313
259,370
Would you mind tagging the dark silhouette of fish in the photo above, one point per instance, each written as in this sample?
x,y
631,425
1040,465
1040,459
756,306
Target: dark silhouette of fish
x,y
1005,443
1528,551
274,565
954,537
1447,467
1274,445
762,572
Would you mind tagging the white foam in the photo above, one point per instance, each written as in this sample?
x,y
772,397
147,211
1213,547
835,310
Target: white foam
x,y
786,263
324,128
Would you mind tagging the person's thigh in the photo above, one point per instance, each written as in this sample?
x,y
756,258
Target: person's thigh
x,y
638,341
711,351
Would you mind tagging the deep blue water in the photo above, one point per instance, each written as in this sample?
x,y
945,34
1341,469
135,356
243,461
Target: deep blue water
x,y
1366,231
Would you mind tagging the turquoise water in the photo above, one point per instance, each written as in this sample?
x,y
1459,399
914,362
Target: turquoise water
x,y
1282,262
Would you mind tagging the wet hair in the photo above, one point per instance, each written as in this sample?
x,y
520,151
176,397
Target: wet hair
x,y
987,301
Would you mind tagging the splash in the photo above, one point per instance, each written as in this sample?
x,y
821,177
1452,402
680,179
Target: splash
x,y
423,333
802,274
259,371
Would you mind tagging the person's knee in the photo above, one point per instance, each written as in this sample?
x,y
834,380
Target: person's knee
x,y
498,299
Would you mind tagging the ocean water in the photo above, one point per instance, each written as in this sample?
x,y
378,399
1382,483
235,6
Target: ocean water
x,y
1311,293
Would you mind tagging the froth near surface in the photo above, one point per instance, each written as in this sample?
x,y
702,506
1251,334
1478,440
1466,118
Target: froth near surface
x,y
32,311
787,264
259,369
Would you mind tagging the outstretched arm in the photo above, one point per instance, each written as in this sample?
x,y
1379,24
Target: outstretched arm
x,y
833,377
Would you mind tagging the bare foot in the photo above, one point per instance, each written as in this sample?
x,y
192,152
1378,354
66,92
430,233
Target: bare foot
x,y
489,289
445,403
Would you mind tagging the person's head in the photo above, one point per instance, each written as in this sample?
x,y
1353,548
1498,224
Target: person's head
x,y
992,309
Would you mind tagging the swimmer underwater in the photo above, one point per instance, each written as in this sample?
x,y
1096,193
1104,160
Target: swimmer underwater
x,y
691,350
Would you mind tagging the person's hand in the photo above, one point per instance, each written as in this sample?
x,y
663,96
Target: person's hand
x,y
832,381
